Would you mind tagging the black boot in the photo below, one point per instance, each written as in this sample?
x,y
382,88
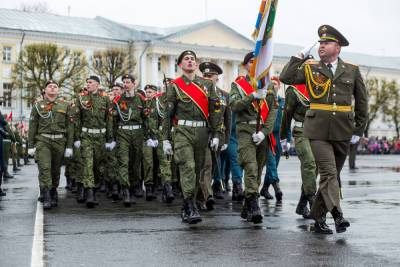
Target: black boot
x,y
149,193
126,197
81,194
217,190
255,212
185,212
2,193
322,228
194,216
167,194
54,197
74,188
175,189
210,202
90,201
115,193
227,186
340,223
68,183
40,197
138,190
301,208
15,169
264,191
103,186
278,192
46,199
245,209
237,192
7,175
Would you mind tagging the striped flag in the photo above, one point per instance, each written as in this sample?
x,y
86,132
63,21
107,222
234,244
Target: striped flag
x,y
262,35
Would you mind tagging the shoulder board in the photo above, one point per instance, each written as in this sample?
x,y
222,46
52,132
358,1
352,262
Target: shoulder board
x,y
351,64
312,62
103,94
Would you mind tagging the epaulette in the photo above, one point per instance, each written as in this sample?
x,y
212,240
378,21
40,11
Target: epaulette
x,y
84,93
240,77
311,62
103,94
348,63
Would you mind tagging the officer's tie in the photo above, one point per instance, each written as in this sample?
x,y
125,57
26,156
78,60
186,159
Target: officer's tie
x,y
330,69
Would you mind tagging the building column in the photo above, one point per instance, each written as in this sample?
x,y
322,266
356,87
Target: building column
x,y
154,69
143,66
171,67
221,77
235,70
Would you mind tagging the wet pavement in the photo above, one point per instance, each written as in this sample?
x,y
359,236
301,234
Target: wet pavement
x,y
150,233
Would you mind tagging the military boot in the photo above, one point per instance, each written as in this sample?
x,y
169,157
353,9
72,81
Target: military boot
x,y
255,211
167,194
40,197
176,189
54,197
278,192
322,228
264,191
15,169
74,188
237,192
81,194
115,192
149,193
138,190
46,199
194,216
7,175
217,190
210,202
126,197
19,163
340,223
90,201
185,211
227,186
103,186
301,208
245,209
68,183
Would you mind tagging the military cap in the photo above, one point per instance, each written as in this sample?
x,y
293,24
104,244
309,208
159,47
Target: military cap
x,y
94,78
184,53
150,86
210,68
50,82
128,76
117,84
329,34
247,57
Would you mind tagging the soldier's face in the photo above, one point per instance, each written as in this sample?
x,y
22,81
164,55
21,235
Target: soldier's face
x,y
150,93
111,95
189,64
328,50
212,77
116,90
249,64
92,85
51,90
275,84
128,84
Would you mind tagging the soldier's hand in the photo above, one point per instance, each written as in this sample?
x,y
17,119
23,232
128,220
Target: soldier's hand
x,y
258,138
151,143
77,144
305,52
214,144
167,148
110,146
68,152
260,94
354,139
224,147
31,151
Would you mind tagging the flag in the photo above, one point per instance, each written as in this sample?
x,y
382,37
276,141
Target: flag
x,y
9,117
262,35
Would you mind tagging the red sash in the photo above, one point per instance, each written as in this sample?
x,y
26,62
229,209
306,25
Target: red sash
x,y
247,89
302,90
195,93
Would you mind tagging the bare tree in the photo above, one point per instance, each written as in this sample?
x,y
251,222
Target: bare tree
x,y
38,7
39,63
391,111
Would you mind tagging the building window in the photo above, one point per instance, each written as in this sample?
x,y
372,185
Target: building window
x,y
7,54
176,65
6,100
159,64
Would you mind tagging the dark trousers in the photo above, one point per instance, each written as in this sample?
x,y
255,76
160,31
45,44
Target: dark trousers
x,y
352,156
330,157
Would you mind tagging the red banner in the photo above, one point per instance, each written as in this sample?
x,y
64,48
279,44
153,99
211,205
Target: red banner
x,y
302,90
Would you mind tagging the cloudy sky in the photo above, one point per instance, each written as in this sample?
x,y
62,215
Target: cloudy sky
x,y
372,27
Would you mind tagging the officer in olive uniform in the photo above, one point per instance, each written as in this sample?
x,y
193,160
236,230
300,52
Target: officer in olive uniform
x,y
252,144
94,120
156,104
130,126
296,104
330,123
8,140
195,113
50,134
5,132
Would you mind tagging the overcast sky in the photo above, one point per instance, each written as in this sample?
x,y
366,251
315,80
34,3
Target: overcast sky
x,y
372,27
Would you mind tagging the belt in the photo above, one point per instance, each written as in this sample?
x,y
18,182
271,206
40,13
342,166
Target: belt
x,y
52,136
130,127
253,122
329,107
192,123
93,131
299,124
7,140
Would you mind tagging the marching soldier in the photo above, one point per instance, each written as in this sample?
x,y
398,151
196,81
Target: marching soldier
x,y
8,141
94,131
297,102
156,105
195,112
5,132
252,144
130,128
330,123
50,134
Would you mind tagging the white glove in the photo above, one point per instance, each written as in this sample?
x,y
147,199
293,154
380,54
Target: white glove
x,y
224,147
24,146
354,139
288,146
68,152
305,52
214,144
31,151
110,146
152,143
167,148
260,94
77,144
258,137
155,143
